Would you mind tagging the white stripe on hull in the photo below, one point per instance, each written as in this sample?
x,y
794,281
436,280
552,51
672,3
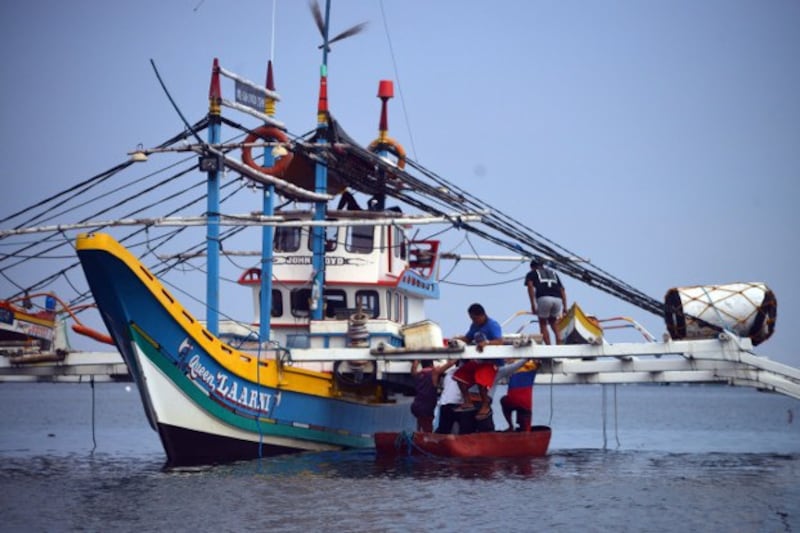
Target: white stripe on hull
x,y
172,407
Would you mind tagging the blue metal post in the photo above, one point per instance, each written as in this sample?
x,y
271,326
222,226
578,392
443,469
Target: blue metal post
x,y
267,232
320,183
267,242
212,209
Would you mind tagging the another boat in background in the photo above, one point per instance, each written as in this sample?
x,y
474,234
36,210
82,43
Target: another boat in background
x,y
575,327
28,329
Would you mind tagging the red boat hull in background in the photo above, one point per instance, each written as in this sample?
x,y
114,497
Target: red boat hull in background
x,y
491,444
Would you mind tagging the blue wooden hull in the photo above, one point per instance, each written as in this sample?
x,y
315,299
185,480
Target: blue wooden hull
x,y
209,402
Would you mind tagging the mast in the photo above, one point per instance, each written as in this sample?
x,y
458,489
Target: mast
x,y
267,232
212,209
320,181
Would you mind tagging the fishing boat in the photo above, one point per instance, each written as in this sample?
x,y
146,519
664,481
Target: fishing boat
x,y
28,329
340,292
495,444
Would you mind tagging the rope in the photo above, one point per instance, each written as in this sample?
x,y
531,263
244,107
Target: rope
x,y
604,415
552,377
716,310
94,439
357,333
405,438
616,419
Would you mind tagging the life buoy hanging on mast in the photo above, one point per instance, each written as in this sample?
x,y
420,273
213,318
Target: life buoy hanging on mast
x,y
387,144
267,134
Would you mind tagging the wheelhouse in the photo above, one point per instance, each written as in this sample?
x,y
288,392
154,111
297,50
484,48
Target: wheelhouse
x,y
372,269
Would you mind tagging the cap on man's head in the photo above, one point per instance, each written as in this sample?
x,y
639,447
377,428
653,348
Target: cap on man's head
x,y
536,262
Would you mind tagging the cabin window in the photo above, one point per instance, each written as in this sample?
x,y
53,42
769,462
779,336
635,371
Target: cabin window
x,y
277,303
335,303
405,309
369,302
397,315
360,239
287,239
389,305
331,239
300,302
399,243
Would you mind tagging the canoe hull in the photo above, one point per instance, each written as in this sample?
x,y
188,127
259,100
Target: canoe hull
x,y
575,327
491,444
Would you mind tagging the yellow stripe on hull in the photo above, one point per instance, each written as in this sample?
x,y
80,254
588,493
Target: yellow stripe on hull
x,y
270,373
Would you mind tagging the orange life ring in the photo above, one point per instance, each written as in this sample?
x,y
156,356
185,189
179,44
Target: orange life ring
x,y
393,147
267,134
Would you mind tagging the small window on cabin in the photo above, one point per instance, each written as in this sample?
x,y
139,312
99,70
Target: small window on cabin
x,y
300,302
360,239
335,303
400,242
405,309
389,305
287,239
331,239
369,302
277,303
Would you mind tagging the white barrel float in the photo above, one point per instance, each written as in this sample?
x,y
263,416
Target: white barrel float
x,y
746,309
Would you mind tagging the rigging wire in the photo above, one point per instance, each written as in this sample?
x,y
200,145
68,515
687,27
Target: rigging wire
x,y
397,77
120,188
89,183
82,296
96,178
430,193
131,198
114,206
496,284
485,264
175,105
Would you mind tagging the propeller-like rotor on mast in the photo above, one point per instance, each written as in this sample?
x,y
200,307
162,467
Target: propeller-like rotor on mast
x,y
317,14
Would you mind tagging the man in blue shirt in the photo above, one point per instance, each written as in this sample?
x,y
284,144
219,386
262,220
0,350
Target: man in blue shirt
x,y
481,372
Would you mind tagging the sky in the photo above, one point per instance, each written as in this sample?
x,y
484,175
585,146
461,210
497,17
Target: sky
x,y
660,140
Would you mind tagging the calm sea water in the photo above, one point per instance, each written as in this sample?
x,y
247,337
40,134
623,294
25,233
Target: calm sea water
x,y
634,458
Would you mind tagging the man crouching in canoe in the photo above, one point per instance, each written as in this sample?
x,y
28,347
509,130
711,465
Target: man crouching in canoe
x,y
481,372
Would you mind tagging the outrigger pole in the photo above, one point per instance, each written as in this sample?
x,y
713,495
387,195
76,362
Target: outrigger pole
x,y
320,180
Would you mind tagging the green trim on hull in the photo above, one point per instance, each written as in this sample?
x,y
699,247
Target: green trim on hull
x,y
256,428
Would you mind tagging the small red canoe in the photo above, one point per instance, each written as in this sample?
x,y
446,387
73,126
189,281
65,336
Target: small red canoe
x,y
490,444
